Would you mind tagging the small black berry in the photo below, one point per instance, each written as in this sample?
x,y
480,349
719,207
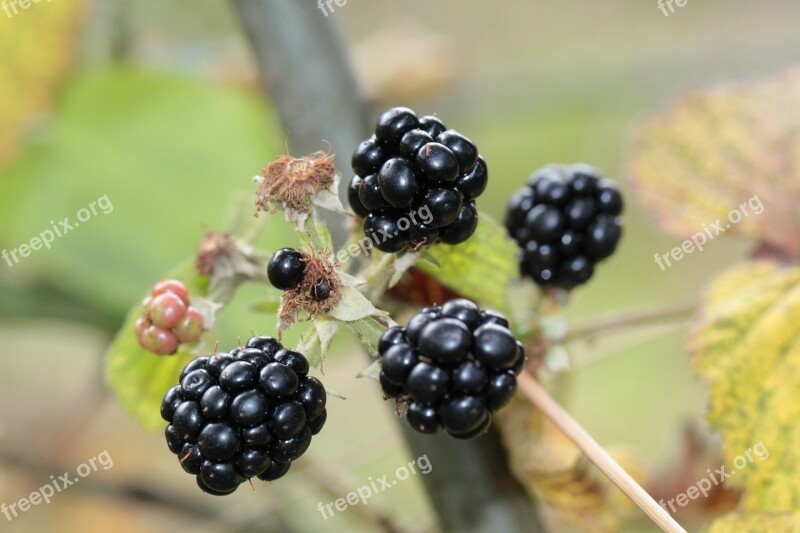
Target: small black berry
x,y
423,418
367,158
427,383
398,361
287,420
215,403
432,125
437,162
394,123
445,340
473,183
321,290
444,205
238,376
286,269
412,141
278,380
397,182
218,441
249,408
353,198
463,227
465,150
390,337
275,471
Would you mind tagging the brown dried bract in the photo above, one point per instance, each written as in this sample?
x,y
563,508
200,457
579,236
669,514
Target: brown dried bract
x,y
214,246
319,268
292,182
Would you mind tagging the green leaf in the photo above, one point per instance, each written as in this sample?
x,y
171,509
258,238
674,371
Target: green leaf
x,y
373,371
138,378
368,331
747,346
167,168
481,268
354,306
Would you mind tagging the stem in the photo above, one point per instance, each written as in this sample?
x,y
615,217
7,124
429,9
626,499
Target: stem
x,y
627,319
541,399
308,76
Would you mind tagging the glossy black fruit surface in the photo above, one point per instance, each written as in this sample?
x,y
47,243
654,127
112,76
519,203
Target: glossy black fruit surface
x,y
243,414
416,174
565,220
452,365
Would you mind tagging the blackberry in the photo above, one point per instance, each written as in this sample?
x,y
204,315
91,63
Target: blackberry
x,y
565,220
286,269
416,183
245,414
453,366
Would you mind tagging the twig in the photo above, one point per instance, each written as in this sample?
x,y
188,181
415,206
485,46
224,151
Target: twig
x,y
629,319
541,399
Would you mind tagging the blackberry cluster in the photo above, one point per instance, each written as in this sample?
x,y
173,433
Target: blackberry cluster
x,y
243,414
454,365
409,165
168,319
566,220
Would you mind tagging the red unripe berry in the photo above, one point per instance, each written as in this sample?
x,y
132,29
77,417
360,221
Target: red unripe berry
x,y
166,310
159,341
141,325
171,285
190,327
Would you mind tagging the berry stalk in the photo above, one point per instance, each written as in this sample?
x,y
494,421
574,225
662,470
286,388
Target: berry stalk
x,y
596,454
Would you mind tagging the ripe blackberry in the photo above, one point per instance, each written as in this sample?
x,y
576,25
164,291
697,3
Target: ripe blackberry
x,y
416,183
168,319
286,269
565,220
453,365
244,414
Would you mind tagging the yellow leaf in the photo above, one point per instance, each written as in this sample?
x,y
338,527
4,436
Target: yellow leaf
x,y
714,150
37,46
747,346
761,523
555,471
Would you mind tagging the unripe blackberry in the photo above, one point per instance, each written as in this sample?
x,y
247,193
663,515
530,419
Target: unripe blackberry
x,y
565,220
236,417
168,319
453,366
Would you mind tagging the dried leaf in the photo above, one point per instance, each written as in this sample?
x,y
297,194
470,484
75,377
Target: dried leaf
x,y
714,151
747,346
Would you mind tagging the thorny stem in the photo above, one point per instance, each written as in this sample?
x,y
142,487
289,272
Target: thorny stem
x,y
558,416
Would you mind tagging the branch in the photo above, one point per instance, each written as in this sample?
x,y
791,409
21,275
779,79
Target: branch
x,y
627,319
308,76
539,397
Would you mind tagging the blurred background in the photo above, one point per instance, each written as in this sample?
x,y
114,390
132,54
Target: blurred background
x,y
158,106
